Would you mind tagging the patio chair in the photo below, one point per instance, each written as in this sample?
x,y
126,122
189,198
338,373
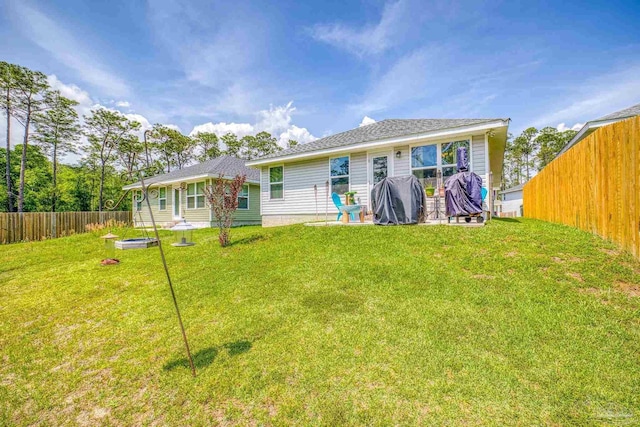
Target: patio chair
x,y
350,209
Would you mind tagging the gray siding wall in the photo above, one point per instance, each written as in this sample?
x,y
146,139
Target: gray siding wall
x,y
478,155
401,166
299,179
299,197
199,216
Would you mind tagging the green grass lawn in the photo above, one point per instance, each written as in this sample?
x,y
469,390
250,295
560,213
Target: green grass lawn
x,y
516,323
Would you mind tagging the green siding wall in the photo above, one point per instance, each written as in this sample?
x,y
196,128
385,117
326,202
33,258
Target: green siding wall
x,y
165,218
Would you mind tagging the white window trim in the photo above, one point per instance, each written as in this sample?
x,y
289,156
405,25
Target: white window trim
x,y
339,176
248,200
438,144
280,182
194,196
165,199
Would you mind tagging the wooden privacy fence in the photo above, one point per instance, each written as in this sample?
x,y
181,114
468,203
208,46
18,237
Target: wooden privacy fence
x,y
594,186
16,227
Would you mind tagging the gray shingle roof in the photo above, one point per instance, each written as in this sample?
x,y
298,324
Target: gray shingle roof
x,y
592,125
390,128
627,112
228,166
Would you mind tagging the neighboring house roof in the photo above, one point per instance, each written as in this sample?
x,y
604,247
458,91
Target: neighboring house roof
x,y
592,125
512,189
228,166
382,130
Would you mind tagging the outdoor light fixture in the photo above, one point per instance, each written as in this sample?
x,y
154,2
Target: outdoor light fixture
x,y
398,154
183,232
110,249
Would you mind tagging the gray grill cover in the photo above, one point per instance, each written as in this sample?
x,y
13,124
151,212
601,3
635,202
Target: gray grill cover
x,y
463,191
398,200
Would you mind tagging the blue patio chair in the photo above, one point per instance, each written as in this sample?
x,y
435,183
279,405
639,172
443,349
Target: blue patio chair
x,y
483,193
350,209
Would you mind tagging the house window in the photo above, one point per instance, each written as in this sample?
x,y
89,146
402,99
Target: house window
x,y
276,182
243,198
137,200
424,164
162,198
339,174
449,156
195,195
426,160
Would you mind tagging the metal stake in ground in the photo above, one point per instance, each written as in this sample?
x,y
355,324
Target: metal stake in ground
x,y
166,268
145,193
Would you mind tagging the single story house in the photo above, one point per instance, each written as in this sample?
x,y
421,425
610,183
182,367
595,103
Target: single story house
x,y
296,183
179,194
511,201
592,125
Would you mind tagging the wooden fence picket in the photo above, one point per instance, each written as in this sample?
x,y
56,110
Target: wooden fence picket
x,y
30,226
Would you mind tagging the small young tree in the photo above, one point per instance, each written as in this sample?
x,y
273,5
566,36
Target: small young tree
x,y
222,196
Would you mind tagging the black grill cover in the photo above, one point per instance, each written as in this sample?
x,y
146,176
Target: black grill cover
x,y
398,200
463,191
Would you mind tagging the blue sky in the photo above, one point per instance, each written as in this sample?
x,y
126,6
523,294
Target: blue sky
x,y
305,69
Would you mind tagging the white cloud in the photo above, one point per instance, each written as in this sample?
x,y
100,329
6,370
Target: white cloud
x,y
366,120
372,39
70,91
60,44
302,135
221,128
123,104
562,127
276,120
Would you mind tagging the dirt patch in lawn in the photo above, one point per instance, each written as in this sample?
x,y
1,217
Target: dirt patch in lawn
x,y
628,289
610,252
576,276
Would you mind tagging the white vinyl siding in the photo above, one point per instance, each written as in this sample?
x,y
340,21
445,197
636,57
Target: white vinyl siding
x,y
478,154
299,197
300,177
402,165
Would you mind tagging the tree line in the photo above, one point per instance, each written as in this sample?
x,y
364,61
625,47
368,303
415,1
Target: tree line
x,y
531,151
108,143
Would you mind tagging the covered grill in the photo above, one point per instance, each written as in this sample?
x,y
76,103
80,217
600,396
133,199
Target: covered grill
x,y
398,200
463,191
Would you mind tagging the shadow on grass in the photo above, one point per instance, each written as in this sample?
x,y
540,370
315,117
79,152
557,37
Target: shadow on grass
x,y
206,356
247,240
507,220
